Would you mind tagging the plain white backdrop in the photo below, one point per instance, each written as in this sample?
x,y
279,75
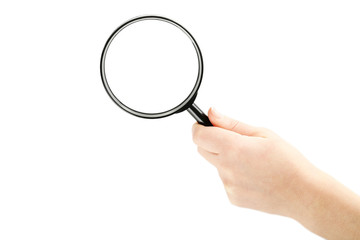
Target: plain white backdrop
x,y
75,166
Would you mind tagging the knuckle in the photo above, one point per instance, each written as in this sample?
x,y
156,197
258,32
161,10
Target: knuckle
x,y
196,134
227,180
199,150
265,132
231,196
228,187
233,124
233,201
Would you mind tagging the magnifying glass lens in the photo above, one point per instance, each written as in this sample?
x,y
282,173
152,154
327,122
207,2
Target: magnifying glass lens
x,y
151,66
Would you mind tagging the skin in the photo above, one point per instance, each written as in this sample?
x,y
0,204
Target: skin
x,y
261,171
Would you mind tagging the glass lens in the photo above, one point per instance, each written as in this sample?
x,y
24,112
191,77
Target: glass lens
x,y
151,66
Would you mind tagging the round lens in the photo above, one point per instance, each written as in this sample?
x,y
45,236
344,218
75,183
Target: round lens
x,y
151,66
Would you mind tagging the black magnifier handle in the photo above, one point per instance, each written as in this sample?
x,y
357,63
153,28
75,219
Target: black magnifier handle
x,y
199,116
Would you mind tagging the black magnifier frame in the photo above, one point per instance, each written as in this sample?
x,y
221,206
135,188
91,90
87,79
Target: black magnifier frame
x,y
188,104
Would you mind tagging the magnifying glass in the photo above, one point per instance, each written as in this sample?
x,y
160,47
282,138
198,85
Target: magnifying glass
x,y
154,67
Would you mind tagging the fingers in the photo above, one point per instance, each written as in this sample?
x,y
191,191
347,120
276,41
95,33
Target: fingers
x,y
222,121
214,139
213,158
219,120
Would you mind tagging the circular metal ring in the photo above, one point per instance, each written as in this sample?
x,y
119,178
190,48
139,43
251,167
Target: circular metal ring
x,y
179,108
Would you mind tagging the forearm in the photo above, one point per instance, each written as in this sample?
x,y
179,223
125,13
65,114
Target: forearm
x,y
329,209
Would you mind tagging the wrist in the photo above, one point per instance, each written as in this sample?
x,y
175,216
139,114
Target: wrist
x,y
313,190
305,189
327,208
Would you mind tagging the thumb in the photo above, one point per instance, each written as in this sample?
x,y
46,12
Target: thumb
x,y
222,121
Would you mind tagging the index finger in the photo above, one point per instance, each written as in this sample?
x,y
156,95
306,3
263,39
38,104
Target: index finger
x,y
213,139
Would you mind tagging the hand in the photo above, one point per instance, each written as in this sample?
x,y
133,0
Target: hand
x,y
261,171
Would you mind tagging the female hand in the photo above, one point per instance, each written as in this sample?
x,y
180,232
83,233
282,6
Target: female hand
x,y
261,171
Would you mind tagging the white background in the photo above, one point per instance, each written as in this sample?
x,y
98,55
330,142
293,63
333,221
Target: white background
x,y
75,166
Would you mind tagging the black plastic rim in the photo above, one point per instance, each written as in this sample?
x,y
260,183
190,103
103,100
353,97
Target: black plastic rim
x,y
179,108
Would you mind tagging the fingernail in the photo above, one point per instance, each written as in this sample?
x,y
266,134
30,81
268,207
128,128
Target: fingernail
x,y
215,113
